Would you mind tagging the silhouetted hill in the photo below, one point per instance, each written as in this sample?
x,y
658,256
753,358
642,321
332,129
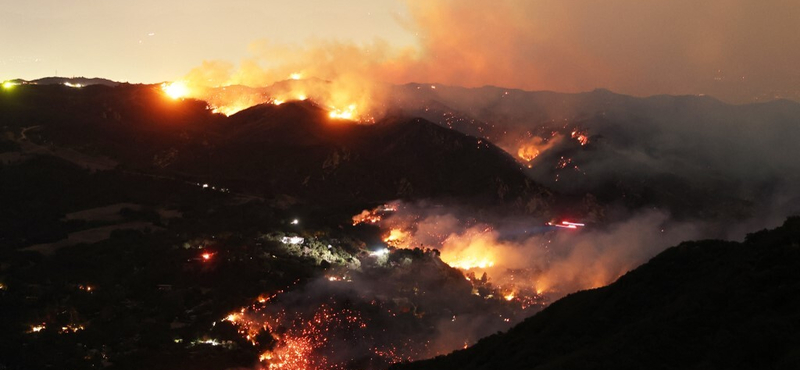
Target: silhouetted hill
x,y
84,81
292,149
700,305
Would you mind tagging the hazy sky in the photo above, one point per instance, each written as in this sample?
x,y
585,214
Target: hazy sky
x,y
738,50
156,40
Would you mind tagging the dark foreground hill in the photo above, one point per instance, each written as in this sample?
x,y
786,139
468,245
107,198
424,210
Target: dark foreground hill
x,y
289,151
700,305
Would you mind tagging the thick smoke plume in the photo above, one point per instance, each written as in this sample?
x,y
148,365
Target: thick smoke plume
x,y
740,51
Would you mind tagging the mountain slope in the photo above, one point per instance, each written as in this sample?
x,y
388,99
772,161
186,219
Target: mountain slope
x,y
700,305
292,149
691,155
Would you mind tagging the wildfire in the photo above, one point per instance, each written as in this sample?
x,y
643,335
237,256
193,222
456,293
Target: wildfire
x,y
71,328
301,341
528,153
206,256
531,149
373,216
395,237
469,263
175,90
229,110
344,114
582,138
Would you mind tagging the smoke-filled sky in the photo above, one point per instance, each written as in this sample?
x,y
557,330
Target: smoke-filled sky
x,y
737,50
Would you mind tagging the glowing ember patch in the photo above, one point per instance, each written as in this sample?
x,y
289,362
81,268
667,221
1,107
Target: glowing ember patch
x,y
175,90
72,85
509,297
395,237
582,138
344,114
471,263
532,148
229,110
528,153
37,328
206,256
71,328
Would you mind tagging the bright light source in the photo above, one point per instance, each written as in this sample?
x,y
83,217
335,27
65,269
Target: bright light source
x,y
206,256
8,85
379,252
72,85
175,90
295,222
296,76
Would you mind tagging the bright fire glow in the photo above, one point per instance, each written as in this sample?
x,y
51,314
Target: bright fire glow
x,y
344,114
395,237
532,148
528,152
296,76
8,85
469,263
206,256
175,90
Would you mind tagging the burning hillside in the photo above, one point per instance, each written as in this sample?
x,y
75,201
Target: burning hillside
x,y
394,305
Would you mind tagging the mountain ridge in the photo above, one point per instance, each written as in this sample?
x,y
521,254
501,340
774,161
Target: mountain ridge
x,y
705,304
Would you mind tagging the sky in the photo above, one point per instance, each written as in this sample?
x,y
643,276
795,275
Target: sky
x,y
736,50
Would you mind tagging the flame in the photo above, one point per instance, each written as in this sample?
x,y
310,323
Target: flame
x,y
344,114
296,76
367,217
528,152
176,90
229,110
396,237
532,148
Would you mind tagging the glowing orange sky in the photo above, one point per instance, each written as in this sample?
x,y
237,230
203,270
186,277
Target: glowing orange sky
x,y
738,50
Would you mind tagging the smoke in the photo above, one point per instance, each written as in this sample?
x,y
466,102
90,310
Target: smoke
x,y
740,51
399,306
528,255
